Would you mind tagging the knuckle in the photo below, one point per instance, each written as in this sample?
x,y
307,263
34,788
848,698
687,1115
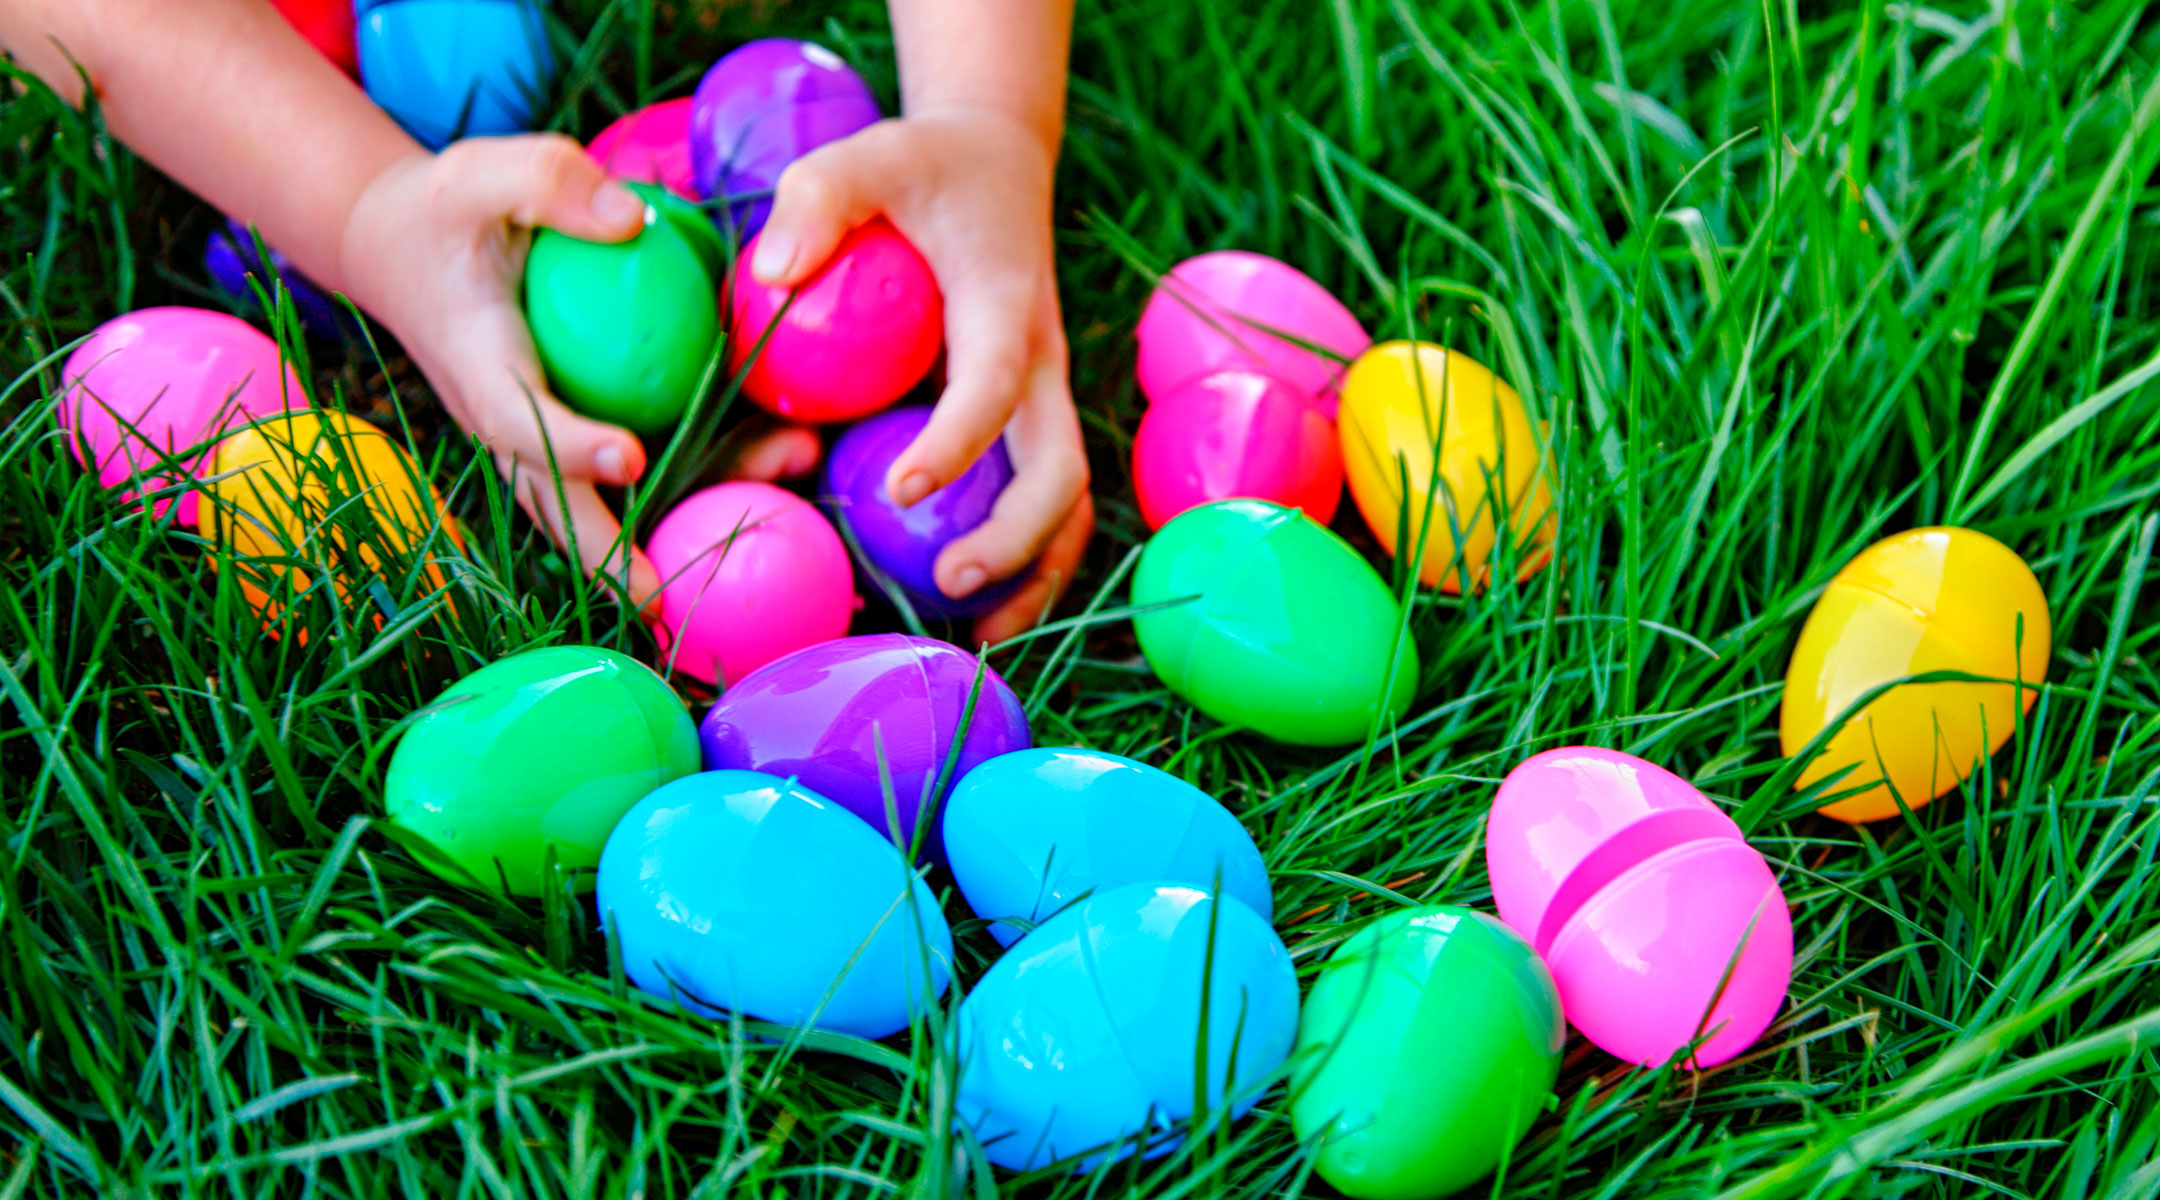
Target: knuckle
x,y
807,183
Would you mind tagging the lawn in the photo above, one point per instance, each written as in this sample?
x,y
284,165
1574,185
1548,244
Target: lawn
x,y
1783,279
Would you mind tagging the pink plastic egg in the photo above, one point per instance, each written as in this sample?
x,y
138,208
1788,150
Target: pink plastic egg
x,y
1639,893
1232,308
1232,435
750,573
176,378
860,334
651,145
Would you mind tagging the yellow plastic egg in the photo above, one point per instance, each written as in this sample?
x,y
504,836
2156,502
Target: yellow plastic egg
x,y
1925,600
1405,404
321,486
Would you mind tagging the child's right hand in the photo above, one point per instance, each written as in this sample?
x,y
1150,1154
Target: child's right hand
x,y
434,249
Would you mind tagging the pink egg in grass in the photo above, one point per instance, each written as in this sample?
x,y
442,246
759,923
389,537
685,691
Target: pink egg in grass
x,y
750,572
862,332
154,382
1236,435
1232,308
651,145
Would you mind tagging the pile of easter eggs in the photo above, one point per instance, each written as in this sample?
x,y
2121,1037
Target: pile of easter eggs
x,y
630,333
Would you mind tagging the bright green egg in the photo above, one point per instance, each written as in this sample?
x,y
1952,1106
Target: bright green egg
x,y
1290,634
1425,1051
626,329
548,748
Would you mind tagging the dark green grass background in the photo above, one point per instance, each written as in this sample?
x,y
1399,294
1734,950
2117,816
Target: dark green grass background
x,y
1784,279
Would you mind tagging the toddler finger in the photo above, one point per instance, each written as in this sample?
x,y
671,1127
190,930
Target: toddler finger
x,y
1048,582
574,513
819,198
502,398
1051,477
767,453
988,368
539,179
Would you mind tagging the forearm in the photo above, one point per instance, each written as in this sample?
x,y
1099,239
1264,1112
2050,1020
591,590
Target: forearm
x,y
226,98
1007,56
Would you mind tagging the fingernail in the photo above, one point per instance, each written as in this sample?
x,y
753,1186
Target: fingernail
x,y
615,204
775,254
966,580
913,488
609,464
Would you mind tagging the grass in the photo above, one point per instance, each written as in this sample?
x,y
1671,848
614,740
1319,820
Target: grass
x,y
1783,278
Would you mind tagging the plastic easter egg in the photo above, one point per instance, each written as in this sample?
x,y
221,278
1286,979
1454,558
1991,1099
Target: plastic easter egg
x,y
651,145
762,107
1640,894
732,891
1235,434
904,543
749,573
152,383
855,338
230,258
626,329
446,69
1924,600
1084,1039
837,713
289,490
1404,403
1030,832
542,751
1289,633
327,25
1426,1050
1238,310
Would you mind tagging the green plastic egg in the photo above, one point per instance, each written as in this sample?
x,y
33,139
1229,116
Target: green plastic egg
x,y
626,329
1425,1051
1291,635
548,748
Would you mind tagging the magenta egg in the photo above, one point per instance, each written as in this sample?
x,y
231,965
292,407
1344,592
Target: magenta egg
x,y
857,336
831,715
762,107
749,573
1232,308
155,382
1659,922
1235,435
904,543
651,145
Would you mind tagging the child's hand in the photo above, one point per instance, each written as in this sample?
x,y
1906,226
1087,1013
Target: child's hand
x,y
435,250
970,187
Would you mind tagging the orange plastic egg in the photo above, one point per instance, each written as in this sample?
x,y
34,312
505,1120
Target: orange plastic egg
x,y
1925,600
323,487
1405,404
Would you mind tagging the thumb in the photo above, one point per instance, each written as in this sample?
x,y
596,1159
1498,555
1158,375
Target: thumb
x,y
820,197
539,179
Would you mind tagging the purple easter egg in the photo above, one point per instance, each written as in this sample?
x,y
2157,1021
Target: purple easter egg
x,y
762,107
824,713
230,258
904,542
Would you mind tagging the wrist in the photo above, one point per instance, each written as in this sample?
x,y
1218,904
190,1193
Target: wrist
x,y
365,223
1044,132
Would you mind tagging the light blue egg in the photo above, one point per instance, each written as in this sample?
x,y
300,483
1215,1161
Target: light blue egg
x,y
741,891
1087,1032
446,69
1030,832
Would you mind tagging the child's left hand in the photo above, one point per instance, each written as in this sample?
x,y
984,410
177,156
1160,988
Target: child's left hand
x,y
970,187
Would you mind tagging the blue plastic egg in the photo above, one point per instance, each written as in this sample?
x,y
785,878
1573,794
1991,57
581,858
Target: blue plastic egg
x,y
1030,832
1084,1038
446,69
737,891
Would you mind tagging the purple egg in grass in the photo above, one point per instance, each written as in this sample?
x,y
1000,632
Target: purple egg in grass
x,y
829,714
230,258
904,543
760,108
